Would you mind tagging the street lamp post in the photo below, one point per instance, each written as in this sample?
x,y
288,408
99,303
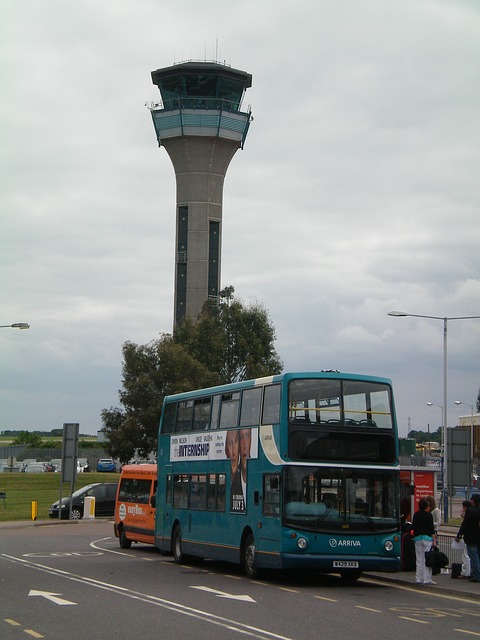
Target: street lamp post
x,y
401,314
442,454
16,325
470,462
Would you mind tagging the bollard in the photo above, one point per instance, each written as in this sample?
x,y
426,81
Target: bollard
x,y
34,509
89,508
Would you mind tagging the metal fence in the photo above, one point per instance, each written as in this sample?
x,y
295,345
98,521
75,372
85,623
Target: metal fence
x,y
444,543
22,452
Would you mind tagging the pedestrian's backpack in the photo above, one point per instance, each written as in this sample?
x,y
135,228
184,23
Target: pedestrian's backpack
x,y
456,570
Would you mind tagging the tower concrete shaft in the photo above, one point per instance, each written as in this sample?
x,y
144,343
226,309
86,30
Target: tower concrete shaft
x,y
201,126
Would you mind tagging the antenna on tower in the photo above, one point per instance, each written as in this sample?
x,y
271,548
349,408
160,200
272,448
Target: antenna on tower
x,y
216,48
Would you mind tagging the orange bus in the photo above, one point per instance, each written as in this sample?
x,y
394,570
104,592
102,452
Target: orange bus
x,y
135,505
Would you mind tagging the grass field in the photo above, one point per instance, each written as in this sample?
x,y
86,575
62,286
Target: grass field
x,y
23,488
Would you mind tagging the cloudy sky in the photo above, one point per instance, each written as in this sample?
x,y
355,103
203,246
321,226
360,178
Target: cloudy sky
x,y
357,192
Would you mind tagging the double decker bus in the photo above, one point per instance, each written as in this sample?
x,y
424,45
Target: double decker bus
x,y
293,471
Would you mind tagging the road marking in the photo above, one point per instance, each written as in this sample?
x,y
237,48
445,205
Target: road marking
x,y
53,597
62,554
175,607
33,633
327,599
416,589
471,633
222,594
367,609
414,620
118,553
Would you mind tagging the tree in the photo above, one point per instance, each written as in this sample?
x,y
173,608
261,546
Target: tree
x,y
426,436
478,402
150,372
231,339
28,437
229,342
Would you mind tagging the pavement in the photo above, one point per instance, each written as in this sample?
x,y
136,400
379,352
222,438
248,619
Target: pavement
x,y
443,582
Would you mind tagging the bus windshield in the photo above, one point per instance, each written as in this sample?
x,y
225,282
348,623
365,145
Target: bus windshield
x,y
341,420
333,401
333,499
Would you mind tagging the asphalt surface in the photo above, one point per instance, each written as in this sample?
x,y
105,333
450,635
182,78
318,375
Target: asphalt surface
x,y
443,582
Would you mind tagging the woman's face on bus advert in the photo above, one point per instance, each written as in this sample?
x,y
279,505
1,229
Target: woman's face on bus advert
x,y
232,449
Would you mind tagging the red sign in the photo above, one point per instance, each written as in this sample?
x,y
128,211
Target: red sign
x,y
423,481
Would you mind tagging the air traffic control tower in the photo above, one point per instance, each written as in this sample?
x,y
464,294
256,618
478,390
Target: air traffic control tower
x,y
201,125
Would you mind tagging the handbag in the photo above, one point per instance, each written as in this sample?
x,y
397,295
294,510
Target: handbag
x,y
436,559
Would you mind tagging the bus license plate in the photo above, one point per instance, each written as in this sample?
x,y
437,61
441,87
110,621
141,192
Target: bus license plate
x,y
345,564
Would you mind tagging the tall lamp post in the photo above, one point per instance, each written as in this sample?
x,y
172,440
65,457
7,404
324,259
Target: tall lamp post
x,y
470,462
442,453
402,314
17,325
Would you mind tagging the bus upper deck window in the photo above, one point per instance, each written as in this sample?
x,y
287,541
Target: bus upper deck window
x,y
201,414
184,415
271,404
229,410
251,401
168,424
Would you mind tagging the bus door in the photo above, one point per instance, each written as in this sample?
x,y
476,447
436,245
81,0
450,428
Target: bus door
x,y
164,513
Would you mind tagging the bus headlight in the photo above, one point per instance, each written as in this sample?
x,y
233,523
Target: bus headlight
x,y
388,545
302,543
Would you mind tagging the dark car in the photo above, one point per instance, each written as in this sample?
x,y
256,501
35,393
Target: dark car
x,y
104,494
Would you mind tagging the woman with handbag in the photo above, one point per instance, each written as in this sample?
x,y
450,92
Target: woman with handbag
x,y
424,536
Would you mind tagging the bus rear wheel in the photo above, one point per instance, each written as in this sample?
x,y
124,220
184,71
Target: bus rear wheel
x,y
249,560
177,545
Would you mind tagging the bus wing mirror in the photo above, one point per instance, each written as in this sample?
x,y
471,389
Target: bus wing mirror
x,y
153,501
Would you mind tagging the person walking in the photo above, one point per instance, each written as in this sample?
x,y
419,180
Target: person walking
x,y
470,532
424,537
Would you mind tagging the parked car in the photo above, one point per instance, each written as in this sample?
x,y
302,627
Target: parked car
x,y
55,463
103,492
83,465
106,464
36,467
26,462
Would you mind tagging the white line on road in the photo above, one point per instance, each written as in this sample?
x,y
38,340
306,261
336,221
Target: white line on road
x,y
53,597
222,594
176,607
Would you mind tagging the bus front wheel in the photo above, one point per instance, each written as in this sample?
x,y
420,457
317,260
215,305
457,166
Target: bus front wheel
x,y
125,543
177,544
249,559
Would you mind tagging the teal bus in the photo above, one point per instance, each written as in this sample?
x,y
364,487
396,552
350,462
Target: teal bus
x,y
292,471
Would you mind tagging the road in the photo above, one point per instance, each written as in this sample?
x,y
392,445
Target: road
x,y
74,581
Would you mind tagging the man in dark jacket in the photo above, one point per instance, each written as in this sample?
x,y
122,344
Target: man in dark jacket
x,y
470,531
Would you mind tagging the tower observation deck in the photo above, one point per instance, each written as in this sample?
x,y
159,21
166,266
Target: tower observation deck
x,y
201,125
